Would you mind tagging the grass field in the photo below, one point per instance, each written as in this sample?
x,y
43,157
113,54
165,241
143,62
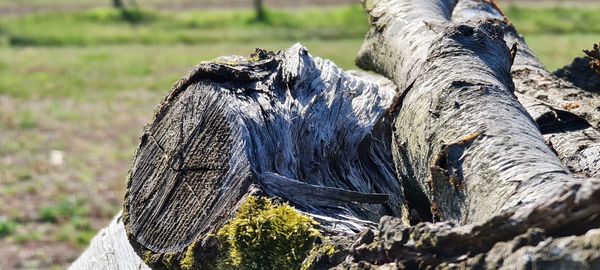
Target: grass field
x,y
76,88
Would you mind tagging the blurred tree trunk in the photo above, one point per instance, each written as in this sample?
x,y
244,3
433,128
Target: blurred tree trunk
x,y
259,10
118,4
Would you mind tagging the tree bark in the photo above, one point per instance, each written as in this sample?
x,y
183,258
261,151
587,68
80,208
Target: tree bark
x,y
567,120
461,136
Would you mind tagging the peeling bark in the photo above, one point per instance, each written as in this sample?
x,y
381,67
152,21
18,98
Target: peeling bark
x,y
443,246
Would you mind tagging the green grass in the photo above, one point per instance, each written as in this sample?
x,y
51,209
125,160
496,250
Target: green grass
x,y
558,50
7,227
90,73
65,210
555,20
110,26
98,53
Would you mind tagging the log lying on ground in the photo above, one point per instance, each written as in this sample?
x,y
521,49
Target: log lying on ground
x,y
282,125
461,136
480,63
289,126
565,127
576,143
445,246
529,75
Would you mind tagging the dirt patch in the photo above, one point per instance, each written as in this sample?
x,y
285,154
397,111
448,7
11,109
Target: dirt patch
x,y
62,173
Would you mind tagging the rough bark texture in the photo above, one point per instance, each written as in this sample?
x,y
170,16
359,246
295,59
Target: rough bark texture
x,y
290,125
566,119
442,246
461,136
529,75
576,143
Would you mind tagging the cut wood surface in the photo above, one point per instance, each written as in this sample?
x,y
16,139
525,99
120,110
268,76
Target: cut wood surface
x,y
292,126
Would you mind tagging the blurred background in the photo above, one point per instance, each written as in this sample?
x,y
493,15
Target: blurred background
x,y
80,78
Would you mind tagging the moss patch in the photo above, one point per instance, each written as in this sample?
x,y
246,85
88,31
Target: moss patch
x,y
265,235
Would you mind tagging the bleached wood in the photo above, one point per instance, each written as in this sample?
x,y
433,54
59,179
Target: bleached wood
x,y
110,250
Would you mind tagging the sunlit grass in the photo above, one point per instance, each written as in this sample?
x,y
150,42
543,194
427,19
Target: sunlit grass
x,y
101,72
110,26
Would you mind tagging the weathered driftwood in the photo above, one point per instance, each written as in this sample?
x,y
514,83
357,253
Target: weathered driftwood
x,y
290,125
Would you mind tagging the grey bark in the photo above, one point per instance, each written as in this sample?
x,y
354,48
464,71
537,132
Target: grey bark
x,y
567,119
576,143
529,75
461,136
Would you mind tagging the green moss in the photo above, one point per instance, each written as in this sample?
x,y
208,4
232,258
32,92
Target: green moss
x,y
265,235
325,249
188,262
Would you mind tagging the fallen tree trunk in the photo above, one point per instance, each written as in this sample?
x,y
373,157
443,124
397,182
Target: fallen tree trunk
x,y
110,249
565,114
576,143
461,136
451,144
529,75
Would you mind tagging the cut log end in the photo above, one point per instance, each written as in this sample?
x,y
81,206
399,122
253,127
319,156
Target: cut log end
x,y
285,125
